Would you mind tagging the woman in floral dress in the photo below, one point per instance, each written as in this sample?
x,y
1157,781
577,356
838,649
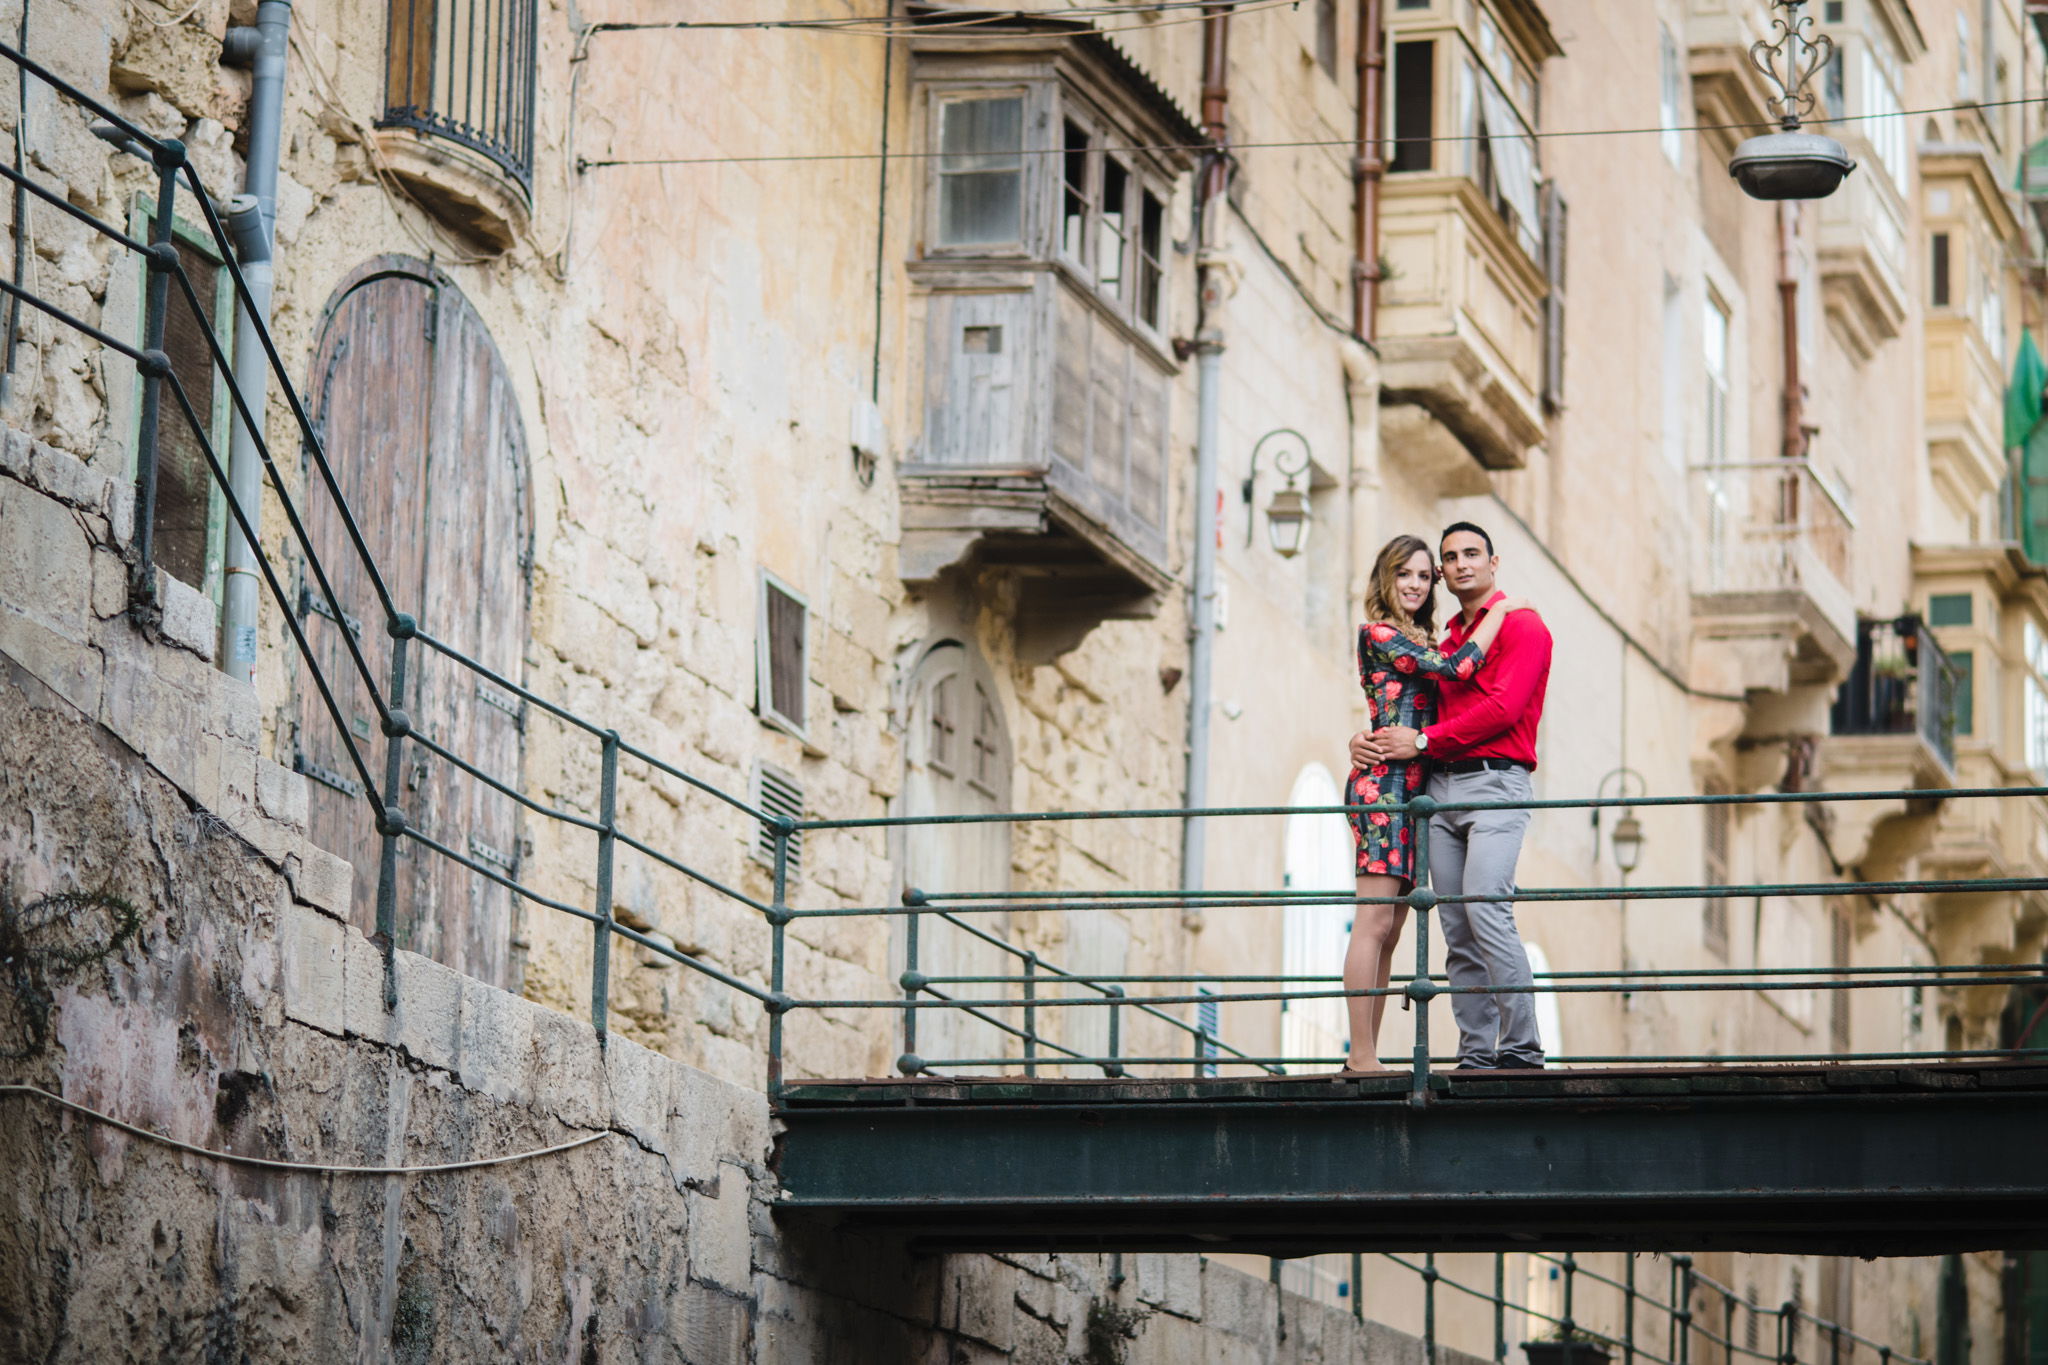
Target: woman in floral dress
x,y
1398,666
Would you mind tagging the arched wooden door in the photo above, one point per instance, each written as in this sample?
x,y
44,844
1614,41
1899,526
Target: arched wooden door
x,y
421,426
957,762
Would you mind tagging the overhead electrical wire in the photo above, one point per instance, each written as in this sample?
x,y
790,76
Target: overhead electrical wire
x,y
593,163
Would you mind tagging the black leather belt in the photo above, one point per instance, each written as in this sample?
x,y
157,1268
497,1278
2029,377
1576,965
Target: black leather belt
x,y
1473,765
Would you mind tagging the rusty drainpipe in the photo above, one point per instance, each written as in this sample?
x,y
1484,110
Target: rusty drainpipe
x,y
1788,311
1795,435
1215,99
1368,168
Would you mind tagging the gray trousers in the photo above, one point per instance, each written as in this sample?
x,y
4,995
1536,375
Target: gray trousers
x,y
1473,853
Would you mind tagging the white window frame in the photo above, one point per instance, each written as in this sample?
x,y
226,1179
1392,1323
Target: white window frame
x,y
1720,389
1052,105
1670,97
764,675
1965,49
2034,711
1884,121
1084,269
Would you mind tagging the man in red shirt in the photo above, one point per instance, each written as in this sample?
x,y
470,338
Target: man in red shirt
x,y
1482,748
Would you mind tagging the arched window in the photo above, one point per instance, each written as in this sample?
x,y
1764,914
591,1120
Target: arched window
x,y
957,762
422,429
1313,937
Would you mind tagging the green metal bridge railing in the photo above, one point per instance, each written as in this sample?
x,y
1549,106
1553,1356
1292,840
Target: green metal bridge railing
x,y
1041,988
1688,1324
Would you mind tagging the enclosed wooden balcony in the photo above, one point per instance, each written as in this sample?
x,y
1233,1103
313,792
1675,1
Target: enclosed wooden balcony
x,y
1042,289
1972,234
1471,236
1772,610
1863,261
1461,319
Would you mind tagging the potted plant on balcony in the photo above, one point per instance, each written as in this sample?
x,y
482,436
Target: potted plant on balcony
x,y
1568,1346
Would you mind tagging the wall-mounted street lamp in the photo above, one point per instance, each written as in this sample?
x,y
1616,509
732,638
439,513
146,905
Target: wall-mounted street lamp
x,y
1288,515
1627,838
1791,163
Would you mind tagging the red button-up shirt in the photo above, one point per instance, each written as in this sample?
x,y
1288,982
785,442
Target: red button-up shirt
x,y
1494,713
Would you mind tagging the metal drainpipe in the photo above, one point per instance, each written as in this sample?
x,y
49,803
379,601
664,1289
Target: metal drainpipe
x,y
1368,167
1788,308
252,222
1215,179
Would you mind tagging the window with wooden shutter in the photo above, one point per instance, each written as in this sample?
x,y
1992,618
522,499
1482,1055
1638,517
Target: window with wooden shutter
x,y
781,658
191,508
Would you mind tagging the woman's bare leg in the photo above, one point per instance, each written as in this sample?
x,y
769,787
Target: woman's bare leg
x,y
1368,963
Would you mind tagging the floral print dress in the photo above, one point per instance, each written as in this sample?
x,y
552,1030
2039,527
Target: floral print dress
x,y
1399,677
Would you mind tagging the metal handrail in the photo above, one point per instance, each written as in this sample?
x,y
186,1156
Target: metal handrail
x,y
160,381
1681,1322
382,795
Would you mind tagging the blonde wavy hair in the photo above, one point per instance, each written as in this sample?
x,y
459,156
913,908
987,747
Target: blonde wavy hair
x,y
1382,603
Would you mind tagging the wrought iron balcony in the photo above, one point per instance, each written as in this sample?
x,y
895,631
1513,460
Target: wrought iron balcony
x,y
1902,684
464,70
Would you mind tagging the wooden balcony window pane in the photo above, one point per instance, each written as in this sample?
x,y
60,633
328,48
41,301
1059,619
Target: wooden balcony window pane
x,y
1074,193
981,171
1151,239
1110,240
1414,105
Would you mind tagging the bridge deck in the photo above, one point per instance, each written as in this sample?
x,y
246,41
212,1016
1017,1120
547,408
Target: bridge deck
x,y
1866,1160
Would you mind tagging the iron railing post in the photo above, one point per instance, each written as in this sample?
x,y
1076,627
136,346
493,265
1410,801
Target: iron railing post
x,y
1835,1343
1430,1275
1031,1014
1566,1325
1681,1302
1500,1306
778,929
1358,1286
1628,1310
1114,1067
908,1062
1788,1333
607,831
155,366
1422,899
390,819
1728,1326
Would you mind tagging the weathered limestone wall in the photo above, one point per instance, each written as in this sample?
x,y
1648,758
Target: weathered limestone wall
x,y
240,1014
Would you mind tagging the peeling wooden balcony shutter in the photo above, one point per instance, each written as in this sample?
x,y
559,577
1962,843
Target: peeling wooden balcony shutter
x,y
1553,302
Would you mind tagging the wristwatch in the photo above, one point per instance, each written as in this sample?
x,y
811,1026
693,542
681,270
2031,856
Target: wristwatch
x,y
1422,741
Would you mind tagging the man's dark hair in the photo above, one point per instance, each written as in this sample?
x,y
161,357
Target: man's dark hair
x,y
1458,526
